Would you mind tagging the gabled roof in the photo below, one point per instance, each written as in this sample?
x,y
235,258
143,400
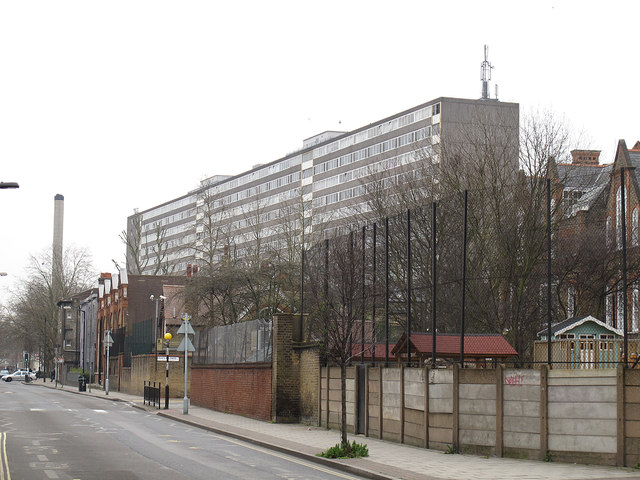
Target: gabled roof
x,y
565,325
591,180
377,350
448,345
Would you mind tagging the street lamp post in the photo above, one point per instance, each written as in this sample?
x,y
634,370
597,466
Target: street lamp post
x,y
108,341
167,337
44,351
186,346
155,327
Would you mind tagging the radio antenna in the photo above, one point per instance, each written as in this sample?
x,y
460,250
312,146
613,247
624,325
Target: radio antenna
x,y
485,73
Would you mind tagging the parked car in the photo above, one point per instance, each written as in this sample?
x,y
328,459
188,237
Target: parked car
x,y
19,375
4,372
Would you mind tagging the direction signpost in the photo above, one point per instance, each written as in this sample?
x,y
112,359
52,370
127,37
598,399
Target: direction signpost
x,y
186,346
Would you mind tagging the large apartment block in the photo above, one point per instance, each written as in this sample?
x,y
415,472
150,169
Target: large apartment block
x,y
310,191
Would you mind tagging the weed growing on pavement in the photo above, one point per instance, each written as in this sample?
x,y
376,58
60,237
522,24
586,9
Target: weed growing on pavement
x,y
547,456
637,466
346,450
450,450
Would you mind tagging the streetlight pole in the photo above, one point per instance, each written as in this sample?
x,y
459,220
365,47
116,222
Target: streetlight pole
x,y
108,341
44,350
167,337
155,327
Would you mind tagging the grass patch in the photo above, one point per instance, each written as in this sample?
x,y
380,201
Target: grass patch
x,y
450,450
547,456
346,450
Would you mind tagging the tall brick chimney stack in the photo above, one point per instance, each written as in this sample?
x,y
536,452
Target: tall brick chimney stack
x,y
585,157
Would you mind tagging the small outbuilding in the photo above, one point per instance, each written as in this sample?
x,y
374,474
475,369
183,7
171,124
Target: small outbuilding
x,y
478,348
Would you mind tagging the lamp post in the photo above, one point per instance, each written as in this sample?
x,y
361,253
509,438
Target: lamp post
x,y
186,346
108,341
155,328
167,337
44,351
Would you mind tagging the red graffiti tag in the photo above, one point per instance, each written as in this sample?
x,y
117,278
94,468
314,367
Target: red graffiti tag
x,y
514,380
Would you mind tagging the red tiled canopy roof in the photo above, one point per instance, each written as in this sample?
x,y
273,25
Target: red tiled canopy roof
x,y
448,345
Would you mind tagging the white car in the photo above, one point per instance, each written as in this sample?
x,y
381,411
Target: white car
x,y
4,372
19,375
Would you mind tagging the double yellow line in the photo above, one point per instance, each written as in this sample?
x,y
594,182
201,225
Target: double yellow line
x,y
4,460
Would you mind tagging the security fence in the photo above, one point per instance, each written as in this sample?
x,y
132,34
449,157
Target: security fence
x,y
516,275
246,342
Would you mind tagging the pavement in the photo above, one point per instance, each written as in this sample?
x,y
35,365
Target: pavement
x,y
387,460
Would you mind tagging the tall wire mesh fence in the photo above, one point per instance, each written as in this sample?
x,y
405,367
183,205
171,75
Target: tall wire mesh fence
x,y
519,276
245,342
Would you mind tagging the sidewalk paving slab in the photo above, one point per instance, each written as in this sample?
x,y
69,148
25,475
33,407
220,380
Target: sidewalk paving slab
x,y
387,460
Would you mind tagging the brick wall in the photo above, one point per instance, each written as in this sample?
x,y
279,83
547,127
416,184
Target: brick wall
x,y
308,361
286,370
238,389
145,368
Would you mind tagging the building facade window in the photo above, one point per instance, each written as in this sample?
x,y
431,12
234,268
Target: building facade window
x,y
634,308
619,217
571,301
620,310
634,227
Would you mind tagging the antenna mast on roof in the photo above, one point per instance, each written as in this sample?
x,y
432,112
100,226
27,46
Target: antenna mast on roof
x,y
485,75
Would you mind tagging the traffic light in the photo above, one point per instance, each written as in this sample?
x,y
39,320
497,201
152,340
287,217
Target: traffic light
x,y
26,358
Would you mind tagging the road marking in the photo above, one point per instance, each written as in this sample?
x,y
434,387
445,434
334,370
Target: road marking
x,y
286,457
5,474
51,474
43,458
99,411
37,409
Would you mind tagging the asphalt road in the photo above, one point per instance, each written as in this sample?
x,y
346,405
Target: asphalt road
x,y
52,434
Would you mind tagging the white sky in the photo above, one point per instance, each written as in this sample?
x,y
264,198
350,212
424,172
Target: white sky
x,y
127,104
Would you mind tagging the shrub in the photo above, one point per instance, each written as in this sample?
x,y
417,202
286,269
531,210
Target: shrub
x,y
346,450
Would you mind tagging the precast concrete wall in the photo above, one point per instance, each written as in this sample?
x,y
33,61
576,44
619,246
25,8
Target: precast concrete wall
x,y
521,413
585,416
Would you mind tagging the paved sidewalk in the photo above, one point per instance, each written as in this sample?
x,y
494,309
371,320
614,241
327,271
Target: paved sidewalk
x,y
387,460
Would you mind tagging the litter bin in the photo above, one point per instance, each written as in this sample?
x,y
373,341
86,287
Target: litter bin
x,y
82,384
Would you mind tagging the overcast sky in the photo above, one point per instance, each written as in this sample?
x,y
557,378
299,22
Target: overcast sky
x,y
122,105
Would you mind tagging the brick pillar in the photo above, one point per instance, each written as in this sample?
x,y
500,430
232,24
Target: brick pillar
x,y
286,377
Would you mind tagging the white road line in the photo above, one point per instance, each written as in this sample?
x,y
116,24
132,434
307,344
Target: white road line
x,y
43,458
288,458
51,474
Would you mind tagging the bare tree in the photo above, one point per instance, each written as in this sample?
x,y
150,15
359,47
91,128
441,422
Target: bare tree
x,y
337,299
140,254
33,317
506,224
